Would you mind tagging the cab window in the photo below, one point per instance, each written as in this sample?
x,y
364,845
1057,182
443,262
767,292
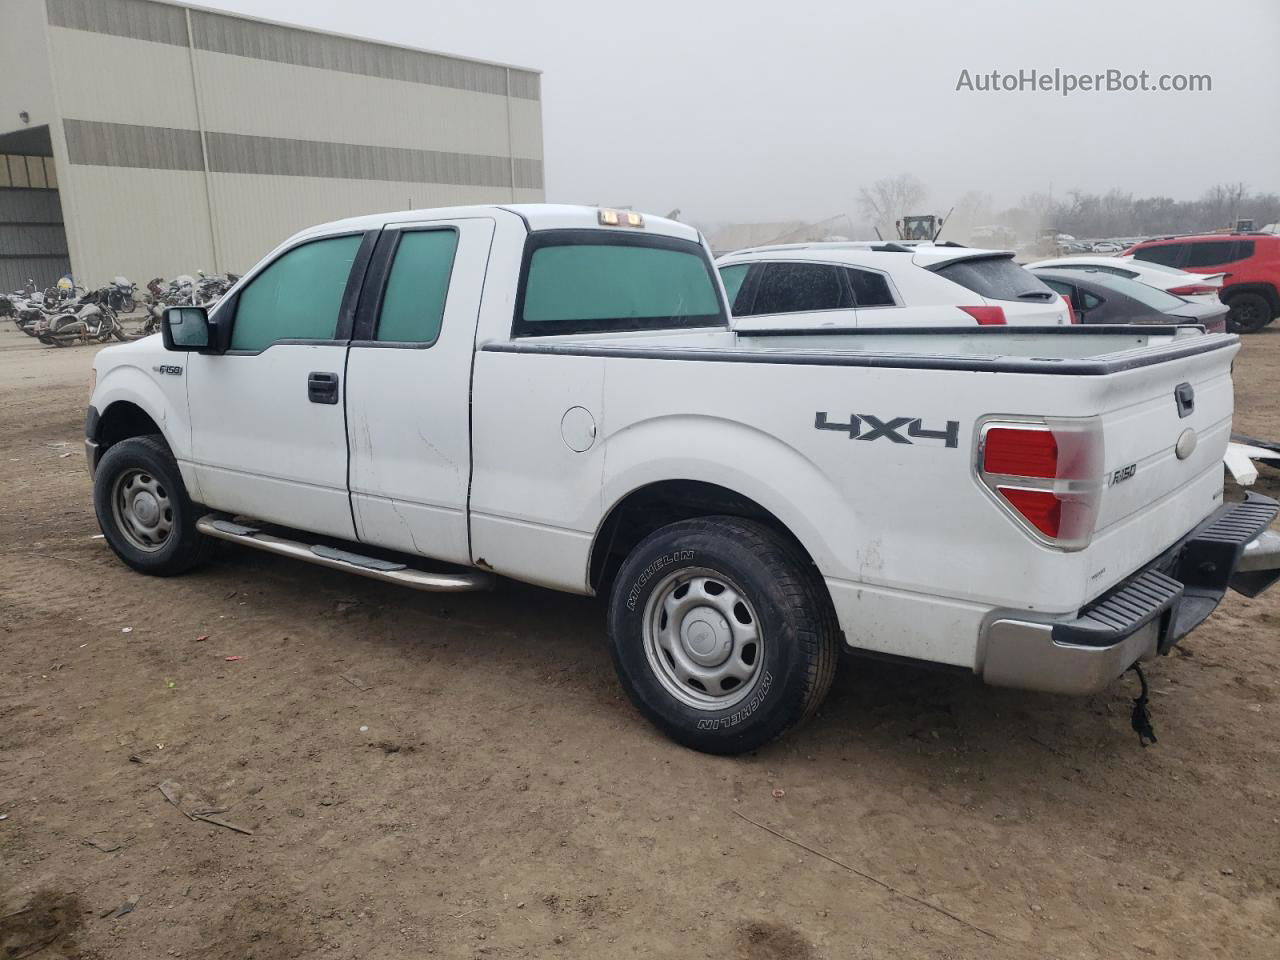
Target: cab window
x,y
413,302
579,282
297,297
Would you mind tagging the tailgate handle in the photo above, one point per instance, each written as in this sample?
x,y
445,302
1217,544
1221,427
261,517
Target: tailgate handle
x,y
1185,397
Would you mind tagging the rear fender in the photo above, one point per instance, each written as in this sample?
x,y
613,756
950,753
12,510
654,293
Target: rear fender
x,y
744,460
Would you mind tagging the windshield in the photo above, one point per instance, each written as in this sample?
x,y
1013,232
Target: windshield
x,y
589,281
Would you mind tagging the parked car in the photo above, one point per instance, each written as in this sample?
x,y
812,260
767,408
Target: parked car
x,y
1191,286
883,284
554,394
1098,297
1251,286
1106,246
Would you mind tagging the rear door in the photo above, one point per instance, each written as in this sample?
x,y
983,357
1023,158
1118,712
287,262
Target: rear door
x,y
268,431
409,386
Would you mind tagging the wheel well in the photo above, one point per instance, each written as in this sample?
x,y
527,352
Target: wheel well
x,y
1265,290
644,510
123,420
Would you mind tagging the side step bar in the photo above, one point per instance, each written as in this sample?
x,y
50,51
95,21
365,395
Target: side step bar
x,y
214,525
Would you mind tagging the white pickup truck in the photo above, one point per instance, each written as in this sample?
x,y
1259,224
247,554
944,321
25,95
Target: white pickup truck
x,y
554,394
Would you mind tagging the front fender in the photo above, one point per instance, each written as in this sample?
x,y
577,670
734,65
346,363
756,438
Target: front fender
x,y
152,380
743,459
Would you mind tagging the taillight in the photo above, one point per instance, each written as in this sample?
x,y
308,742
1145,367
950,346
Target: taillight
x,y
986,316
1018,452
1071,313
1038,507
1047,474
1192,290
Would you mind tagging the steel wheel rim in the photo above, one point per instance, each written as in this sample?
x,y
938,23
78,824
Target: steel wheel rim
x,y
142,510
703,640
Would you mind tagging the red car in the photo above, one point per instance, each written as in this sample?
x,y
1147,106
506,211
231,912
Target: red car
x,y
1251,287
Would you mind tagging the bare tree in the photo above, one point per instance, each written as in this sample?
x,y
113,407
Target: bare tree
x,y
891,199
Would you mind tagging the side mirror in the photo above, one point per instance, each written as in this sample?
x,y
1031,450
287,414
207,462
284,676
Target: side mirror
x,y
185,328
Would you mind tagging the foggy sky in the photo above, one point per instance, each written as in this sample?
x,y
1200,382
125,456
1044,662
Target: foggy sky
x,y
752,110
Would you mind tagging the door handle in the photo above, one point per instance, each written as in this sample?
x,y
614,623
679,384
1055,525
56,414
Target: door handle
x,y
322,387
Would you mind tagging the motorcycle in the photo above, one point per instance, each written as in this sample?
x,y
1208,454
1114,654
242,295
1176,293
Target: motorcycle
x,y
121,297
90,319
28,311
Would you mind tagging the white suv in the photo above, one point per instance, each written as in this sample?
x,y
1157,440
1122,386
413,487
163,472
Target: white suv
x,y
850,284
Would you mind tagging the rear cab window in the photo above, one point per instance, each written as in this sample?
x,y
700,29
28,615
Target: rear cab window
x,y
996,278
595,281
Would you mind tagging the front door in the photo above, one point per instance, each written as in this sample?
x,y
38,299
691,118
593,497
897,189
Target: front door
x,y
268,416
409,386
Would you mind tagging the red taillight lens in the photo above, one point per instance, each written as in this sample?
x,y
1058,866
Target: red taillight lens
x,y
1071,313
1041,508
1020,453
1047,474
1192,290
986,316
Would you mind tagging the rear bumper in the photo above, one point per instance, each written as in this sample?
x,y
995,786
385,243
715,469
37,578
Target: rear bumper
x,y
1146,614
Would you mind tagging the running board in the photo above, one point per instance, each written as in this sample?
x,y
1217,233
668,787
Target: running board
x,y
213,525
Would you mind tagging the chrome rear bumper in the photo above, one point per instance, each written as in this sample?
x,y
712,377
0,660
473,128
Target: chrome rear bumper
x,y
1146,614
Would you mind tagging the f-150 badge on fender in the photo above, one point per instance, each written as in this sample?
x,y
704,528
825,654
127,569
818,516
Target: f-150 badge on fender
x,y
168,369
864,426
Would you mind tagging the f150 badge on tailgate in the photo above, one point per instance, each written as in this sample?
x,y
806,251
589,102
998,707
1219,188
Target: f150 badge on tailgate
x,y
864,426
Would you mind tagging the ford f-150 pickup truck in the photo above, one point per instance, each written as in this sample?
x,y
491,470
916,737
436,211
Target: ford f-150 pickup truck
x,y
554,394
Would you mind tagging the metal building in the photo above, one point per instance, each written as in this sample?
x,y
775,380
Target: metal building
x,y
181,138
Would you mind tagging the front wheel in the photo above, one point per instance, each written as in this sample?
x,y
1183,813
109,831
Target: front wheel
x,y
144,511
1250,312
722,633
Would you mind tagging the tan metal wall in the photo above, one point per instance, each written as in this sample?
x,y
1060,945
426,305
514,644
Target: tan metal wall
x,y
204,155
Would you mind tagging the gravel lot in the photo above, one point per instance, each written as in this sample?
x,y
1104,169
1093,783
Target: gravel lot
x,y
462,776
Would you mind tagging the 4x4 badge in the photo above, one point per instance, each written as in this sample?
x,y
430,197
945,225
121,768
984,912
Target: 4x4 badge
x,y
889,428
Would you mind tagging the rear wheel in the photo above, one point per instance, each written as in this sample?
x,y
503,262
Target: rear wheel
x,y
144,511
722,633
1250,312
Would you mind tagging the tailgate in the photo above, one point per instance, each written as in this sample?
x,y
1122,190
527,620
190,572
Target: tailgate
x,y
1165,431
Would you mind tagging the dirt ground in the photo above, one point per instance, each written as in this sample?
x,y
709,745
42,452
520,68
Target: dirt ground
x,y
461,776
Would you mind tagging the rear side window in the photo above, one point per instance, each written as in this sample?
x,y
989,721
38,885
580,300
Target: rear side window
x,y
996,277
869,289
1209,253
732,277
297,297
581,281
1166,253
799,287
413,303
